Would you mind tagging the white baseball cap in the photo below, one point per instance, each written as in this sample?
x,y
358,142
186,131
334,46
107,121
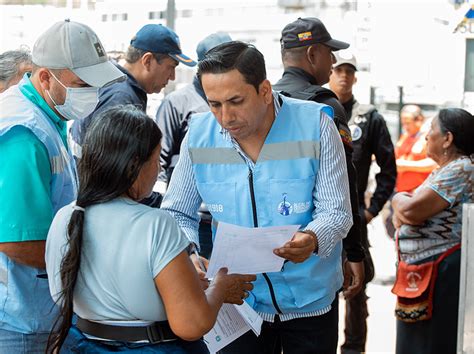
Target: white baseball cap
x,y
345,57
75,46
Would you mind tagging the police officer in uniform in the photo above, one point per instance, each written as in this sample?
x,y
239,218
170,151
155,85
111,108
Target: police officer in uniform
x,y
308,54
370,137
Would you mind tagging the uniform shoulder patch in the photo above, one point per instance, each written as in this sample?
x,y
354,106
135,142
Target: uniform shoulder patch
x,y
345,136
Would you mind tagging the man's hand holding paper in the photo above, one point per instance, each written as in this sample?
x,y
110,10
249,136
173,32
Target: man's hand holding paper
x,y
251,250
299,248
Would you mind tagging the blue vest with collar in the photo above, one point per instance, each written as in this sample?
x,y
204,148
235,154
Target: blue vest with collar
x,y
284,179
26,304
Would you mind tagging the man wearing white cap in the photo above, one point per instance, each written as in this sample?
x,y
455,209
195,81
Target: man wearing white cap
x,y
37,171
370,137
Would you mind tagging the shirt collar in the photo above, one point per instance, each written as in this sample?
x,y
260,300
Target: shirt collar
x,y
131,78
29,91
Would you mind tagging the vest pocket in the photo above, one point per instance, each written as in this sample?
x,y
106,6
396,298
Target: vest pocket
x,y
220,199
291,200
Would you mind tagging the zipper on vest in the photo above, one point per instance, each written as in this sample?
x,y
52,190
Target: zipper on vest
x,y
252,197
255,224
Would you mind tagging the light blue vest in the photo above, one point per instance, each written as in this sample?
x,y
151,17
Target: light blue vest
x,y
284,179
26,305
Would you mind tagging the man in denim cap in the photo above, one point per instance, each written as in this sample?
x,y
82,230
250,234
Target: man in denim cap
x,y
150,62
173,116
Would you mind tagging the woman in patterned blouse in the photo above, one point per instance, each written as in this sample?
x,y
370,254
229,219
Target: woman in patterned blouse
x,y
429,223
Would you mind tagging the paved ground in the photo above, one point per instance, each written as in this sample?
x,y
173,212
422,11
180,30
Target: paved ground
x,y
381,321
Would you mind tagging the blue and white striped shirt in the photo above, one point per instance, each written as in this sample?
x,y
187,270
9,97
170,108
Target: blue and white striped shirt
x,y
332,217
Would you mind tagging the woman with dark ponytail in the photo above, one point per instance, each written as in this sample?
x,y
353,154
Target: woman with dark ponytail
x,y
120,266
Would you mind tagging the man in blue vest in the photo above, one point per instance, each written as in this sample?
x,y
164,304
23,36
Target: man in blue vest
x,y
260,159
37,171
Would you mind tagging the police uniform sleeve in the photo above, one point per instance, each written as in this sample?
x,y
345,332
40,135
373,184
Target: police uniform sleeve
x,y
168,120
25,196
383,150
352,244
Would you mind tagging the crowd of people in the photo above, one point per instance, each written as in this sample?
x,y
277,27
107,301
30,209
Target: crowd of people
x,y
92,260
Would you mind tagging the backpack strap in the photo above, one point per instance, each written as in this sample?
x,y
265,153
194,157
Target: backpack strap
x,y
311,93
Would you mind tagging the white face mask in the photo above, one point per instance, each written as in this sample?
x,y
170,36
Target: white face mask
x,y
79,102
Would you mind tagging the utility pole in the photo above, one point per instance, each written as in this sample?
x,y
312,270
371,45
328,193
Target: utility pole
x,y
170,14
170,23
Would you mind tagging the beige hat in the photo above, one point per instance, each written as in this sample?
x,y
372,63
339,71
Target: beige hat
x,y
75,46
345,57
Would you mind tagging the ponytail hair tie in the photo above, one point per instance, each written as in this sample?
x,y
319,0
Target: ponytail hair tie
x,y
78,208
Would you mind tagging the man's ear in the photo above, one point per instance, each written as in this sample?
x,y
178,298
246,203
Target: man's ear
x,y
44,78
146,60
310,54
265,89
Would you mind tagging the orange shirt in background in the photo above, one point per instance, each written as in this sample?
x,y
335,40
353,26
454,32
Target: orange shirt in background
x,y
413,166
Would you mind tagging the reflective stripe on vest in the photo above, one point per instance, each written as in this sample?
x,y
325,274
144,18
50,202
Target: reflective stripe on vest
x,y
278,151
284,179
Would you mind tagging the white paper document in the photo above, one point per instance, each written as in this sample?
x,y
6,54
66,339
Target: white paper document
x,y
247,250
232,322
251,317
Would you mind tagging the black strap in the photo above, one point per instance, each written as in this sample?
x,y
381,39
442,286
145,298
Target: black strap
x,y
311,93
155,333
314,93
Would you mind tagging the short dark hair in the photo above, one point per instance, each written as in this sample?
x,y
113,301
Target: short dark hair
x,y
461,124
134,54
235,55
293,54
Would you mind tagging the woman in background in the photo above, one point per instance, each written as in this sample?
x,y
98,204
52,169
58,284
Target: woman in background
x,y
429,223
123,267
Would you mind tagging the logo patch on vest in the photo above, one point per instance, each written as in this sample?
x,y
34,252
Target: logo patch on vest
x,y
285,208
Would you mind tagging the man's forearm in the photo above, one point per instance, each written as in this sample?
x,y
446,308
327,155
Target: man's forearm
x,y
30,253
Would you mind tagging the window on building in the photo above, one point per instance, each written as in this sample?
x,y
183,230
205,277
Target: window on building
x,y
185,13
114,17
155,15
104,18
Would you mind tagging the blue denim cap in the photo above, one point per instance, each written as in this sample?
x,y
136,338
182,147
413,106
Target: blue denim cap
x,y
160,39
211,41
